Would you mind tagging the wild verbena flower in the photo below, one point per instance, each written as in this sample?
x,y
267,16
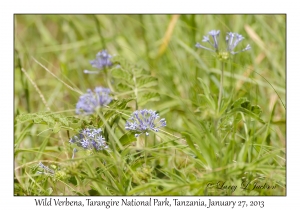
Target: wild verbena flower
x,y
102,60
89,139
47,170
142,121
89,102
232,40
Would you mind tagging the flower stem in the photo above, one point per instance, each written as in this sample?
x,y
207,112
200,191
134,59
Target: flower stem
x,y
145,149
107,78
221,87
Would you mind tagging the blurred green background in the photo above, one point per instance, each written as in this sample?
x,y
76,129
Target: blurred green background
x,y
162,44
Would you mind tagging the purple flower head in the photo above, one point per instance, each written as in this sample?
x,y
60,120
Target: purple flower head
x,y
143,121
90,101
214,34
205,39
47,170
102,60
89,139
232,40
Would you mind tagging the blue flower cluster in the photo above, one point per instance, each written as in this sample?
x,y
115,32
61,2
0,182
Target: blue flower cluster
x,y
46,169
142,121
232,40
90,139
102,60
89,102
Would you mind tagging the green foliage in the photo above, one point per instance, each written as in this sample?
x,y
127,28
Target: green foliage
x,y
138,82
243,105
206,97
54,121
235,113
127,138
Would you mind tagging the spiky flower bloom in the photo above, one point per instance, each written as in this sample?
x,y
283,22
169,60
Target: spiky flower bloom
x,y
142,121
47,170
89,139
90,101
102,60
55,175
232,40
